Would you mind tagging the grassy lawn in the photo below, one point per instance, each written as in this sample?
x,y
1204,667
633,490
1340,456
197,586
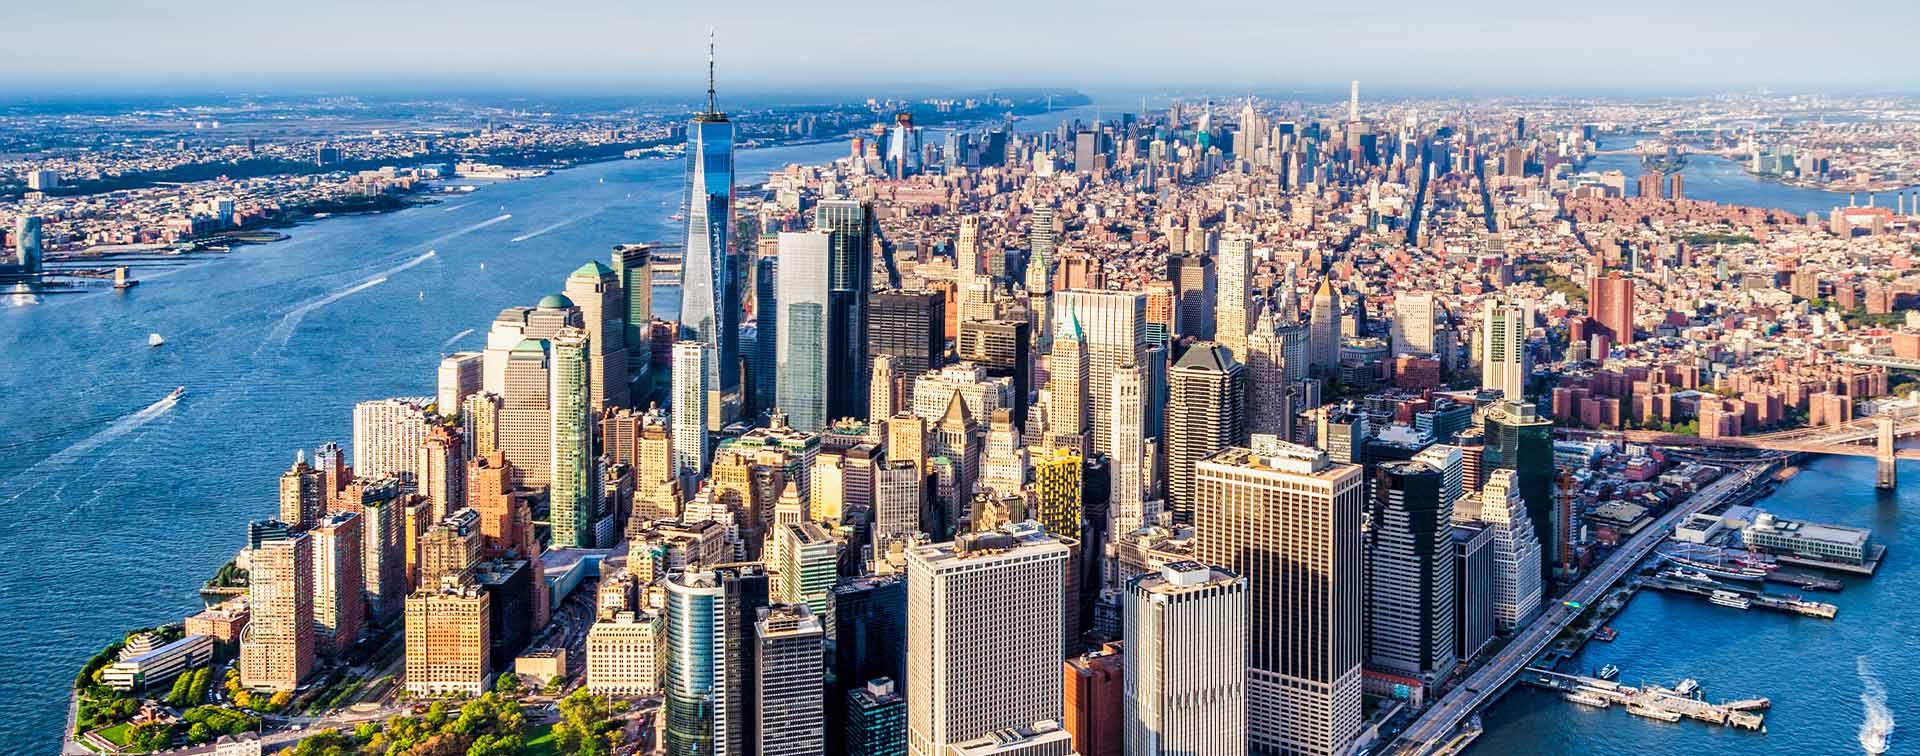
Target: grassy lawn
x,y
540,741
119,735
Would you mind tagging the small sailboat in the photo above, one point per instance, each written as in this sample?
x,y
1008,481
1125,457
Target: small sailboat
x,y
423,295
155,339
483,266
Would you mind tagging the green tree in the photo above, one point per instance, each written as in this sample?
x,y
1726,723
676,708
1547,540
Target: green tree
x,y
151,736
496,745
508,685
325,743
182,687
587,726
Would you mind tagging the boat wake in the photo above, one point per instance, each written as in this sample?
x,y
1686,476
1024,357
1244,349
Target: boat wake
x,y
283,331
545,230
455,207
456,337
40,472
1876,726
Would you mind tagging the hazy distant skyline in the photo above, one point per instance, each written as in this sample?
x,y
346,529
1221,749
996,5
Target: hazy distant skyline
x,y
653,48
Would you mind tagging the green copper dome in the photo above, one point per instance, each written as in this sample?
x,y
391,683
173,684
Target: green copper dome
x,y
593,269
554,302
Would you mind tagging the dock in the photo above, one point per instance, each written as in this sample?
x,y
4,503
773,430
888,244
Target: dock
x,y
1803,581
1651,701
1875,554
1778,603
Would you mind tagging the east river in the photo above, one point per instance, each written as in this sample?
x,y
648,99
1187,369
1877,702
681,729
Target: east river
x,y
120,503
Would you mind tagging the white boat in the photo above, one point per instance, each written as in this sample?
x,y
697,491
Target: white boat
x,y
1608,672
1730,599
178,391
155,339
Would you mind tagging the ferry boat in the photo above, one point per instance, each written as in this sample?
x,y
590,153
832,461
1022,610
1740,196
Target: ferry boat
x,y
1722,571
1730,599
1608,672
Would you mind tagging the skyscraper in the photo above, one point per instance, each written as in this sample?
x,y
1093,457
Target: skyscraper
x,y
711,659
1005,349
1067,383
386,434
1040,244
303,498
449,634
1413,323
1113,330
1186,662
1288,519
870,642
1127,507
526,414
573,495
1503,347
459,377
1206,412
276,647
1323,331
1235,315
710,300
803,384
850,283
910,327
1410,573
1192,275
876,720
1517,562
791,682
689,407
1269,393
597,291
1520,440
964,679
27,249
633,273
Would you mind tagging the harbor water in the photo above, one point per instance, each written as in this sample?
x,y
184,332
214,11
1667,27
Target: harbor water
x,y
1838,686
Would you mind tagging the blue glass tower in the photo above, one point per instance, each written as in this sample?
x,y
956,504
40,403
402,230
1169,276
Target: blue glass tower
x,y
710,296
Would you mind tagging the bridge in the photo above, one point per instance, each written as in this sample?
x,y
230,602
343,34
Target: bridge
x,y
1863,437
1879,360
1435,726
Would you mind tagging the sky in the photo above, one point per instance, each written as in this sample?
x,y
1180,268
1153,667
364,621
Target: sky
x,y
658,46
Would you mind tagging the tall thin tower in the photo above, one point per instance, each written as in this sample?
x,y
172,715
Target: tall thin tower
x,y
1353,103
710,299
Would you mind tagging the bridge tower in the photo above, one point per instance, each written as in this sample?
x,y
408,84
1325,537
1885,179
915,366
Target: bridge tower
x,y
1888,479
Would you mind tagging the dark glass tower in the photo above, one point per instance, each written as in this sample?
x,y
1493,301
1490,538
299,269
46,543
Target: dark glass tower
x,y
1518,439
870,626
910,327
849,281
1004,348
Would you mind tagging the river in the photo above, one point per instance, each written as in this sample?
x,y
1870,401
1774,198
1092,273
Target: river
x,y
1822,675
1710,177
123,502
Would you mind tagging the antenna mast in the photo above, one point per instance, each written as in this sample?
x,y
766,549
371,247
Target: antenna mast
x,y
711,107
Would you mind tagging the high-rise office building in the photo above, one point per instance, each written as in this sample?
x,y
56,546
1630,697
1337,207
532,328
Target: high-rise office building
x,y
791,682
897,497
526,414
1519,439
1005,349
1112,329
277,645
597,291
27,247
1503,347
1128,508
883,391
1270,405
1094,687
1413,323
1058,492
850,284
964,679
573,496
633,273
803,384
449,634
711,660
459,377
1186,662
624,654
876,722
383,560
1473,589
689,407
909,327
762,365
1235,311
1287,518
1194,293
1206,412
1610,299
1323,331
1067,381
338,607
966,249
1410,573
870,643
1517,563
